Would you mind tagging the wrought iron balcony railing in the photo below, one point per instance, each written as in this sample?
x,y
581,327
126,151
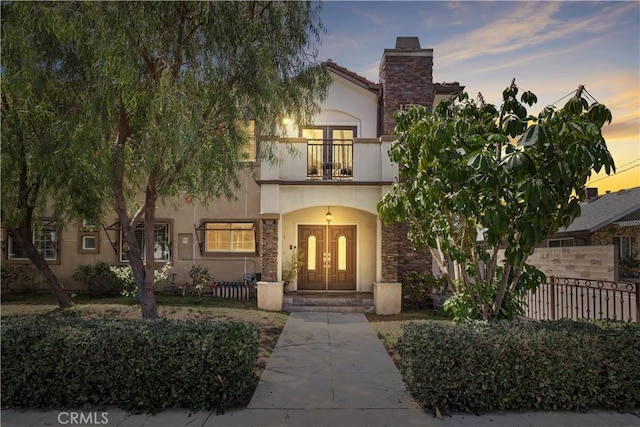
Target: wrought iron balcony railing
x,y
330,159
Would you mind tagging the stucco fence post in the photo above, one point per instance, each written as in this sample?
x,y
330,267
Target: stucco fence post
x,y
270,296
387,298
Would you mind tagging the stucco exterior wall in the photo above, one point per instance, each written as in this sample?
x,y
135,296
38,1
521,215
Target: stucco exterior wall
x,y
363,198
347,104
350,104
182,215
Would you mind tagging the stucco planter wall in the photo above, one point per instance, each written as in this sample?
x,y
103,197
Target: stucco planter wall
x,y
387,298
270,296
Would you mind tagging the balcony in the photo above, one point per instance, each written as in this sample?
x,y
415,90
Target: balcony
x,y
330,159
336,161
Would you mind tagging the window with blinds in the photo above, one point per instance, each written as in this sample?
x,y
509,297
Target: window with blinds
x,y
239,237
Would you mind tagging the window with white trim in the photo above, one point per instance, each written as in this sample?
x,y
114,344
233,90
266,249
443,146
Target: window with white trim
x,y
88,237
560,243
89,243
44,237
623,246
237,237
161,246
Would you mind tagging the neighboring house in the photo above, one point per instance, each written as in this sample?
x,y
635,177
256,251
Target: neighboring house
x,y
342,168
611,218
608,219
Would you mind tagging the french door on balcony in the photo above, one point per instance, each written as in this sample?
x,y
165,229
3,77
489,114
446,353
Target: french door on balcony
x,y
329,151
329,257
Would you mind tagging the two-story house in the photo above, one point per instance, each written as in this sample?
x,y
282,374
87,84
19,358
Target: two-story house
x,y
321,200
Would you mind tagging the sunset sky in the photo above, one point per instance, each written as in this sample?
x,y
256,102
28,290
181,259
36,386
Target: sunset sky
x,y
549,47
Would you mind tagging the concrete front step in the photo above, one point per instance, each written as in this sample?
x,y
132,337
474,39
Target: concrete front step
x,y
326,309
350,302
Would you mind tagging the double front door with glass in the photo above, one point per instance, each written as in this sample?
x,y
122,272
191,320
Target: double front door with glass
x,y
329,257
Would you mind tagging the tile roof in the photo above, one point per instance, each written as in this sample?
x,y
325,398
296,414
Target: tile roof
x,y
447,88
353,77
605,210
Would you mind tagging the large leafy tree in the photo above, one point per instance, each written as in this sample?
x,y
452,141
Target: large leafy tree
x,y
469,167
176,83
49,166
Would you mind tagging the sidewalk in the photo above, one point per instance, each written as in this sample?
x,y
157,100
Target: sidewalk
x,y
328,369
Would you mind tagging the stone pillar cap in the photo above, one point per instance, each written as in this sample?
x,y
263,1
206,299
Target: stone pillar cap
x,y
407,43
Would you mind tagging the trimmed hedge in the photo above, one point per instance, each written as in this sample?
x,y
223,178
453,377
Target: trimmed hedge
x,y
137,365
552,365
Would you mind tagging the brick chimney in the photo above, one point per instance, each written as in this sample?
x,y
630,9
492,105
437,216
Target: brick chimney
x,y
591,193
406,74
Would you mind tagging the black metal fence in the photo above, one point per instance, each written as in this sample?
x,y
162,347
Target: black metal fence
x,y
564,297
330,159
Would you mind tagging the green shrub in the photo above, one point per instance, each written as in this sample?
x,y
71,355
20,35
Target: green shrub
x,y
419,289
20,277
98,278
129,286
291,267
558,365
137,365
200,276
478,300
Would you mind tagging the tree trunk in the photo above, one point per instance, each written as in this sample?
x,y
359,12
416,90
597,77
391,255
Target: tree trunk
x,y
147,298
146,294
23,236
134,254
501,290
141,273
128,225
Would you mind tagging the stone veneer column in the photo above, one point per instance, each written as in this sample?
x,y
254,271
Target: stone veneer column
x,y
410,259
390,236
398,255
269,250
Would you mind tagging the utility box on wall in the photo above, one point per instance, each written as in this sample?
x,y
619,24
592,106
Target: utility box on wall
x,y
185,246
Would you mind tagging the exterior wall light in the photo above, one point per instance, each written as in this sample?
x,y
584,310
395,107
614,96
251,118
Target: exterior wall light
x,y
328,216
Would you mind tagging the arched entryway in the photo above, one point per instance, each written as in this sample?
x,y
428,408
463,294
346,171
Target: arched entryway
x,y
339,255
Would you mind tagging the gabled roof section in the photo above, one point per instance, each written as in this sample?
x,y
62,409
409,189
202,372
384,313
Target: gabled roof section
x,y
353,77
605,210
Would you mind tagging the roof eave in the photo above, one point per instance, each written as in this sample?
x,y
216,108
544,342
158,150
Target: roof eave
x,y
354,78
605,223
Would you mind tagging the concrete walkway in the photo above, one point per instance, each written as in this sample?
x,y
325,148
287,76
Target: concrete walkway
x,y
328,369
